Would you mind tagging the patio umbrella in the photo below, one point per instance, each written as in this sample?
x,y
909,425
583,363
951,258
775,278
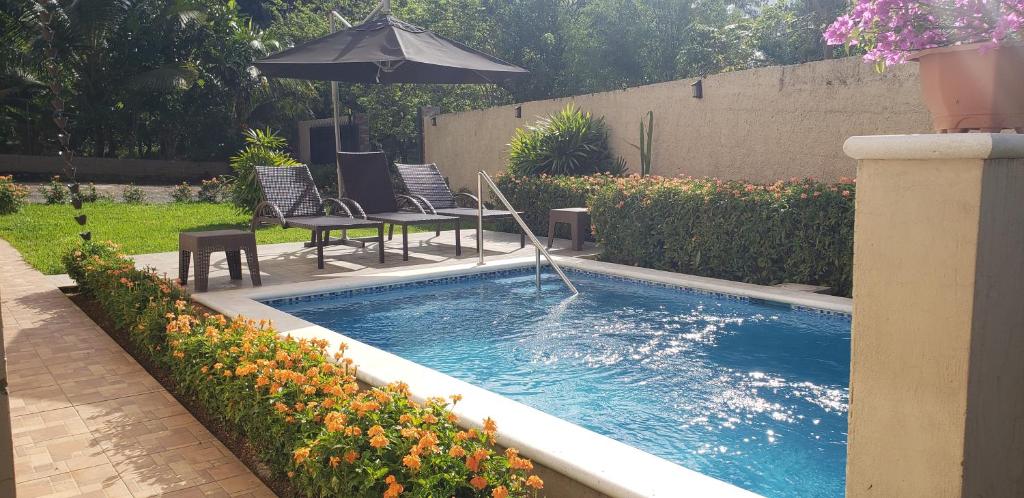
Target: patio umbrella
x,y
384,50
388,50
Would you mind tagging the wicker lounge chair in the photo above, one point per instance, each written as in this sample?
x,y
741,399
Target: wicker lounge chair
x,y
425,183
292,200
368,190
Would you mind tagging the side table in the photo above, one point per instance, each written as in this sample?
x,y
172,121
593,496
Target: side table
x,y
577,218
201,244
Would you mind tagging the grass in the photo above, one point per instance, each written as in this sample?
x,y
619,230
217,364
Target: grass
x,y
43,233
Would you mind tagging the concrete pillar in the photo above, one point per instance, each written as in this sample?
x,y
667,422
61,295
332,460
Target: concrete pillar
x,y
937,366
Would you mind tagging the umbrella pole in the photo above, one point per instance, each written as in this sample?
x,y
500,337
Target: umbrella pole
x,y
334,17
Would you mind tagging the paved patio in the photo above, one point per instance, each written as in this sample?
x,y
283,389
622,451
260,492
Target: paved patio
x,y
89,421
291,262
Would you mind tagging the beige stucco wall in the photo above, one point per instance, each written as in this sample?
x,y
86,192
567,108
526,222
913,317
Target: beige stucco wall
x,y
936,376
760,124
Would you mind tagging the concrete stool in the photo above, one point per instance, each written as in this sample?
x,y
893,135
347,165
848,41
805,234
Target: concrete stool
x,y
578,220
202,244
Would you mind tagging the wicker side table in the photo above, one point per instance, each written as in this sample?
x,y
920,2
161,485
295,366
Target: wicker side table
x,y
201,244
578,220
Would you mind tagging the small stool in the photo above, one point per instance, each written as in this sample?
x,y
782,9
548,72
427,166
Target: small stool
x,y
576,218
202,244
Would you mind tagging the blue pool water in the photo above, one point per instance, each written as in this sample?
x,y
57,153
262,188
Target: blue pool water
x,y
751,393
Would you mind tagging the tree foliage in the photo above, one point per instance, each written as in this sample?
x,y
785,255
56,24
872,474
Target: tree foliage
x,y
175,78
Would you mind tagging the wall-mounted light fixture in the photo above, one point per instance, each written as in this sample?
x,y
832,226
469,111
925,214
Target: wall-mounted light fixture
x,y
519,111
697,87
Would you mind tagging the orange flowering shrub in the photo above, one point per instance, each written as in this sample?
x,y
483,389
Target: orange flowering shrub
x,y
299,404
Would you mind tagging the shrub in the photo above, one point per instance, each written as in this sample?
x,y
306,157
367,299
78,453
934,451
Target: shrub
x,y
12,195
537,195
182,192
570,142
263,148
88,193
298,405
55,192
795,231
214,190
132,194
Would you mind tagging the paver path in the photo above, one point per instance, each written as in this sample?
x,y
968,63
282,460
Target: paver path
x,y
87,419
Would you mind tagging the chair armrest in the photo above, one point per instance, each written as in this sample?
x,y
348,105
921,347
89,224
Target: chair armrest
x,y
425,202
337,202
265,210
359,209
410,200
476,202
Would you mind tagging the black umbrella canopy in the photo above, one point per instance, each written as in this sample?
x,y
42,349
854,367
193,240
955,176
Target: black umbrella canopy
x,y
388,50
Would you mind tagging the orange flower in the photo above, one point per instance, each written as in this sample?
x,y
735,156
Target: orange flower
x,y
411,461
534,482
375,431
457,452
334,461
478,482
301,455
378,441
351,456
430,418
394,489
500,492
490,427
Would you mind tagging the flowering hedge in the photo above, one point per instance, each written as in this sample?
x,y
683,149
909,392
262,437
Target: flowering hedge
x,y
297,404
795,231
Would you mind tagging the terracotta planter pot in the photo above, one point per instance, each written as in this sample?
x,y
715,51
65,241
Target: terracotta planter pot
x,y
967,89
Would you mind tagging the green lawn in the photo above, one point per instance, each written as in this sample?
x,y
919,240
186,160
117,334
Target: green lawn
x,y
43,233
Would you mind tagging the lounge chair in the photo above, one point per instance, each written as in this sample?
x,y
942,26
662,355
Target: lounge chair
x,y
425,183
292,200
369,191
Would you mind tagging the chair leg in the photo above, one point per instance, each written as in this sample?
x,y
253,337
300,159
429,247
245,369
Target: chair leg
x,y
458,236
437,230
405,242
522,238
252,260
183,259
380,242
234,264
319,241
391,231
551,234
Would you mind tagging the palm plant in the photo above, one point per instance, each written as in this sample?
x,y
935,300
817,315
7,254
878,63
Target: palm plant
x,y
570,142
263,148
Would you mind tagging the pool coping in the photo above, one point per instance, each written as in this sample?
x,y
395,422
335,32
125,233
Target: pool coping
x,y
597,461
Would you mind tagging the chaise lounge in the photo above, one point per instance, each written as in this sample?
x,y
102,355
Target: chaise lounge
x,y
425,183
369,191
292,200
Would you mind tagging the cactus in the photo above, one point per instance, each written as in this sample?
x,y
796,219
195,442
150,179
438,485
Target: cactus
x,y
645,144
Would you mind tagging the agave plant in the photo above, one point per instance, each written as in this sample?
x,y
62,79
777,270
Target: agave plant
x,y
263,148
571,142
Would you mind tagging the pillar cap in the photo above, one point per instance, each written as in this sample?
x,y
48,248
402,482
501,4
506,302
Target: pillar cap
x,y
936,146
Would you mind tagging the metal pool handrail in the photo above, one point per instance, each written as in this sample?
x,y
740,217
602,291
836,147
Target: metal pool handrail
x,y
482,177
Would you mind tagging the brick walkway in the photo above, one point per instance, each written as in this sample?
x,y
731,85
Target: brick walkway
x,y
87,419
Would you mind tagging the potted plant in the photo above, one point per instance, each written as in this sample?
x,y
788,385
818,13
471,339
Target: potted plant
x,y
969,51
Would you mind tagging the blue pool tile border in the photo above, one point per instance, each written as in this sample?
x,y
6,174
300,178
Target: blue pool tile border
x,y
378,289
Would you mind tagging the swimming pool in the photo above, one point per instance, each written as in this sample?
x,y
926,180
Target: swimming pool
x,y
751,393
